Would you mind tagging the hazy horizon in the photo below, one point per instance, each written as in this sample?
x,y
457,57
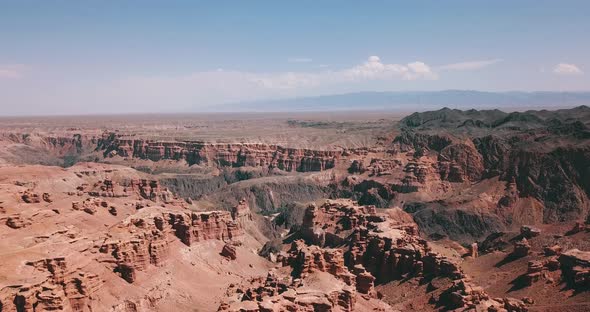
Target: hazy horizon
x,y
401,102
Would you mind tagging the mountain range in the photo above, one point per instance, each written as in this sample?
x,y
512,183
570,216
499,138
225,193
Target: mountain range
x,y
415,101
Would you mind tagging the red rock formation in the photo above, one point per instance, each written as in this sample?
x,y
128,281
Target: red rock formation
x,y
365,282
17,221
107,188
529,232
465,296
380,167
194,227
140,242
534,271
387,245
151,189
147,189
308,259
64,289
357,166
30,198
418,171
575,267
378,248
135,254
460,162
241,213
285,294
521,248
473,250
229,252
47,198
554,250
90,205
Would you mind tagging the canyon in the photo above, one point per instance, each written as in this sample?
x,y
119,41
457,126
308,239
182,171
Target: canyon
x,y
440,210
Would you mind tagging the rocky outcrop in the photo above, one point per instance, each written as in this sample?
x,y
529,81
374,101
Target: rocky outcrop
x,y
151,190
575,267
311,266
521,248
554,250
140,242
108,188
579,227
360,248
357,166
537,270
144,188
419,172
386,245
47,198
229,251
91,205
355,246
460,162
412,140
529,232
308,259
381,167
465,296
30,197
16,221
377,166
283,293
365,281
194,227
241,213
132,254
64,289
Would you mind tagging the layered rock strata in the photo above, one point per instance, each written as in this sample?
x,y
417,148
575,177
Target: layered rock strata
x,y
224,155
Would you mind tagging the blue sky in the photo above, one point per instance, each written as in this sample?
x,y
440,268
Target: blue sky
x,y
166,56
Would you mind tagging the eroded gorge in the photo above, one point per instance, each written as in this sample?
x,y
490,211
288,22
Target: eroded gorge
x,y
441,210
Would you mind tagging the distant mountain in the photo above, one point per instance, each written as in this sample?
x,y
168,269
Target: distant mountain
x,y
417,101
574,121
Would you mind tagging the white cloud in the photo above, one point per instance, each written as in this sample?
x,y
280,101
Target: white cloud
x,y
12,71
469,65
374,69
299,60
567,69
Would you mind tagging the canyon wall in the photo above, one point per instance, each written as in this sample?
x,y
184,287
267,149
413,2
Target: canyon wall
x,y
221,154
